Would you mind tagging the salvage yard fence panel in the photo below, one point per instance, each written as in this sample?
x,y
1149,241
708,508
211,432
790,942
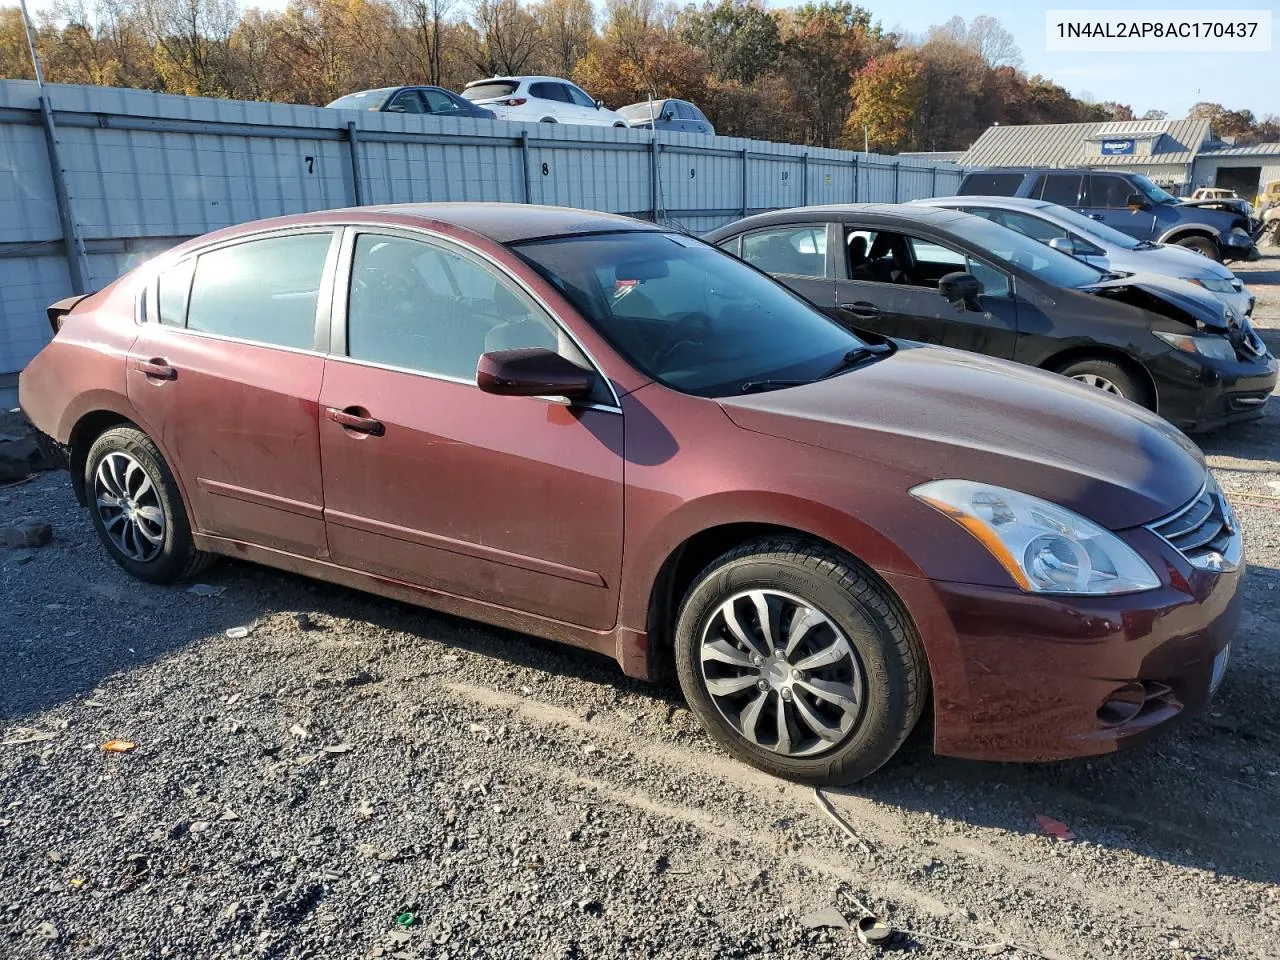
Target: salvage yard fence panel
x,y
138,172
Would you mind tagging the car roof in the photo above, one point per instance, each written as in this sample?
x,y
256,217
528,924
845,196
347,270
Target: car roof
x,y
529,78
872,211
1008,203
500,222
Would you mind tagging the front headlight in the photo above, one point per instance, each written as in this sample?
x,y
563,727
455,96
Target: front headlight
x,y
1044,547
1212,284
1213,346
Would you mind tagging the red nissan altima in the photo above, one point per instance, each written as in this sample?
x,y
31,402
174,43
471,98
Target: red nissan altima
x,y
598,431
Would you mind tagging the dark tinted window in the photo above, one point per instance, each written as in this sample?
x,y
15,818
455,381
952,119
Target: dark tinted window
x,y
1033,227
174,288
550,91
1108,191
990,184
262,290
489,91
421,306
1061,188
406,102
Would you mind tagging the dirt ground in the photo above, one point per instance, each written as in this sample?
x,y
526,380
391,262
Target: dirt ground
x,y
295,791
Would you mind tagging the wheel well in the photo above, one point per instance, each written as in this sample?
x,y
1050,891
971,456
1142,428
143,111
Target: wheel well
x,y
1181,235
682,567
87,429
1060,360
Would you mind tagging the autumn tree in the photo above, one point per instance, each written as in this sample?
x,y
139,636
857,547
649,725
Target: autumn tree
x,y
427,24
505,40
886,94
739,38
567,27
641,55
15,54
191,41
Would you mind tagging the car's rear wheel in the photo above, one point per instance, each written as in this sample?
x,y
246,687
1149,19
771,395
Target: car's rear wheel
x,y
800,663
1109,377
137,510
1203,246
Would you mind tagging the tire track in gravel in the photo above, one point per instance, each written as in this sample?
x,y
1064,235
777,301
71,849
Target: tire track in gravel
x,y
998,858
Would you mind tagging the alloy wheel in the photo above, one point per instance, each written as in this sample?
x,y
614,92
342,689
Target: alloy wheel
x,y
128,504
1102,383
781,673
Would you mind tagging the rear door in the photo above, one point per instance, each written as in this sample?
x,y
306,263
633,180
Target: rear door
x,y
227,373
797,255
1107,199
552,100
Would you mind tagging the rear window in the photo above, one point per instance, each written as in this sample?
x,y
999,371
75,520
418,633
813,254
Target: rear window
x,y
990,184
487,91
364,100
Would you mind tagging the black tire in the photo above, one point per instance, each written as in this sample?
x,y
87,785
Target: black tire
x,y
1126,383
894,682
1204,246
548,120
177,556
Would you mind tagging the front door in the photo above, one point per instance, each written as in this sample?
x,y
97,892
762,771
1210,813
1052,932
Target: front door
x,y
797,255
510,501
891,287
227,373
1108,200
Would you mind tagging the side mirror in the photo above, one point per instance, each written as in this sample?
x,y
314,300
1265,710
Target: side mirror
x,y
1063,245
668,115
599,104
1138,202
533,372
961,290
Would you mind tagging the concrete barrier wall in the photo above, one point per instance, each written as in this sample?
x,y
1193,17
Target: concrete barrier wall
x,y
143,171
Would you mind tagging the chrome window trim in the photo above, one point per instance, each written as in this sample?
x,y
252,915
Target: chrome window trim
x,y
185,332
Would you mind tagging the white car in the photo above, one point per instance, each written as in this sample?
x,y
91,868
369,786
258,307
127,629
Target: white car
x,y
545,99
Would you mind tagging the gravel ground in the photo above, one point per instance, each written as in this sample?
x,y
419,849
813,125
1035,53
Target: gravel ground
x,y
294,791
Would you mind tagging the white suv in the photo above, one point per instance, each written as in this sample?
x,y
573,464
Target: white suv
x,y
546,99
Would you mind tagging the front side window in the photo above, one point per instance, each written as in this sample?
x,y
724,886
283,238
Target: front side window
x,y
790,251
406,102
439,102
263,290
930,261
1156,194
579,98
422,306
687,314
1110,192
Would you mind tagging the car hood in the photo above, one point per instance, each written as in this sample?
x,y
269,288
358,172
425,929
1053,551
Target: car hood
x,y
1186,262
929,413
1167,296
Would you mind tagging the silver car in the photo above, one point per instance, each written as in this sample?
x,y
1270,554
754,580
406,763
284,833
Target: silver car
x,y
1102,246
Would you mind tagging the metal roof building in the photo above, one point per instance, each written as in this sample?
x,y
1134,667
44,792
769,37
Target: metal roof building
x,y
1177,154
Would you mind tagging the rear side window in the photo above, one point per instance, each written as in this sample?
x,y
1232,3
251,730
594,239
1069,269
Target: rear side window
x,y
488,91
1060,188
793,251
264,290
990,184
174,287
550,91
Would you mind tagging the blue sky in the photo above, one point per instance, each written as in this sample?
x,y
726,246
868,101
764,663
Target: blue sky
x,y
1145,81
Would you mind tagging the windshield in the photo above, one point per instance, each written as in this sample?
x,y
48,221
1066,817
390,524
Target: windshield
x,y
1151,190
1109,235
689,315
1020,250
490,91
364,100
640,111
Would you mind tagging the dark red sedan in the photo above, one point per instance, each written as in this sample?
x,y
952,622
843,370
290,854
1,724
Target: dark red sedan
x,y
594,430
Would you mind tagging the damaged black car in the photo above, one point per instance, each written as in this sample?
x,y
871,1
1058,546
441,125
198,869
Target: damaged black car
x,y
949,278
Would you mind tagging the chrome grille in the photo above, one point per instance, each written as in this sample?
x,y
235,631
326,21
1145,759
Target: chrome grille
x,y
1204,531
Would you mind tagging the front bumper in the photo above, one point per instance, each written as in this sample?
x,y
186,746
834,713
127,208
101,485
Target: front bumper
x,y
1198,394
1021,677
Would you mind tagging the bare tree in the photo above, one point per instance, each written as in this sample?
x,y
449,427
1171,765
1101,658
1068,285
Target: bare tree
x,y
427,19
506,39
567,26
993,42
193,39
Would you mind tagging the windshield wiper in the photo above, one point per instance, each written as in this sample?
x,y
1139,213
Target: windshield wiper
x,y
855,356
755,386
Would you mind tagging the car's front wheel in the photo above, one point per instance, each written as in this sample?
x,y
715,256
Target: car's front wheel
x,y
137,509
1109,377
1203,246
800,663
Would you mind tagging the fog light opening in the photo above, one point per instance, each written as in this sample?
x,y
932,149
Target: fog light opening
x,y
1122,705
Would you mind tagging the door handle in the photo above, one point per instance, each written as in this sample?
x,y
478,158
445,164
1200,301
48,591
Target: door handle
x,y
157,368
1095,216
355,422
861,308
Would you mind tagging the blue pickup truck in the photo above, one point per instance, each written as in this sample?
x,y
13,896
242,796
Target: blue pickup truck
x,y
1130,203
